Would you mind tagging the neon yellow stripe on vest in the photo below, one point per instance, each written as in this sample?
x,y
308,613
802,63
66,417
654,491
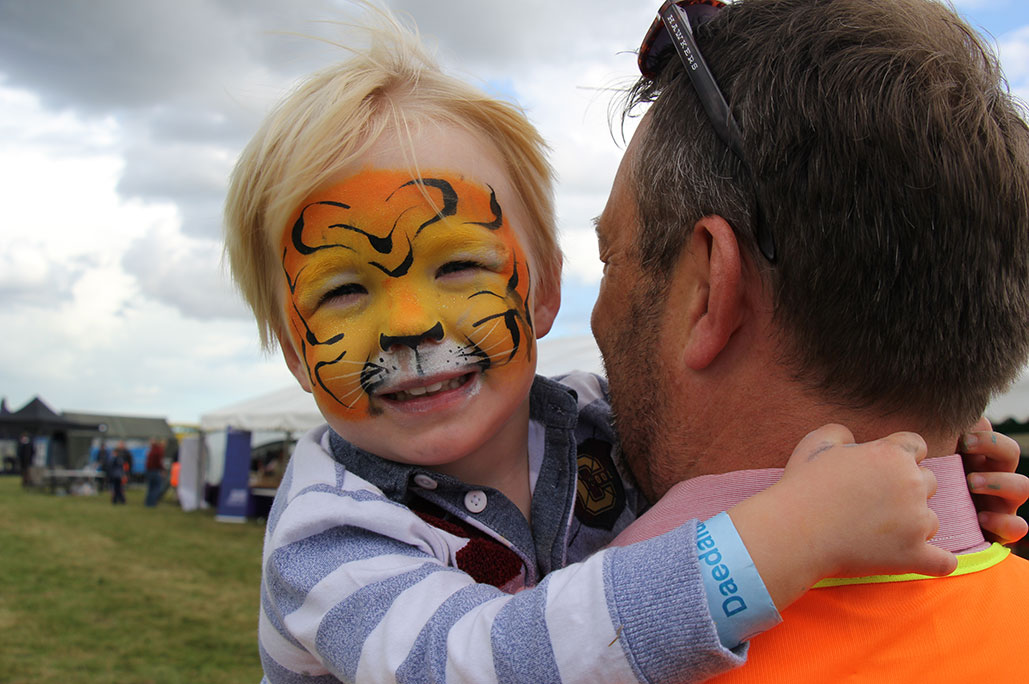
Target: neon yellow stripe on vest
x,y
967,563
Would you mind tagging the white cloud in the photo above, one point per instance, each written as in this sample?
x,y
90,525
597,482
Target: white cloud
x,y
83,275
183,272
1013,48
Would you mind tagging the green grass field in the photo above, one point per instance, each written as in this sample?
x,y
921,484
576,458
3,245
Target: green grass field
x,y
91,592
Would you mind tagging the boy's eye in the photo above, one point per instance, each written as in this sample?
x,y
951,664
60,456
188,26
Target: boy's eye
x,y
458,267
344,292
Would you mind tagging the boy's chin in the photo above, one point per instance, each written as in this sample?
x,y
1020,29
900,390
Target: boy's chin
x,y
441,430
437,448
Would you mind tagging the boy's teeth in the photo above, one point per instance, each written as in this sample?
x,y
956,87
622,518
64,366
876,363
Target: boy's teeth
x,y
429,389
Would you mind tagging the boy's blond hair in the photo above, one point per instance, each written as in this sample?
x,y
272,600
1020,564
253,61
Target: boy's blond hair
x,y
333,118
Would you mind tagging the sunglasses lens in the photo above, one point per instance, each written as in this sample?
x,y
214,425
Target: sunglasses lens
x,y
657,42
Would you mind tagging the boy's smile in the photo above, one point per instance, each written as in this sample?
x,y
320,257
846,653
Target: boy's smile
x,y
407,301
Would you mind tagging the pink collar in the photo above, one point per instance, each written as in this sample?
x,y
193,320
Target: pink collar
x,y
705,496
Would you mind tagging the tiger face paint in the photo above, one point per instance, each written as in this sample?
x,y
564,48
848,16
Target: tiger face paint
x,y
406,298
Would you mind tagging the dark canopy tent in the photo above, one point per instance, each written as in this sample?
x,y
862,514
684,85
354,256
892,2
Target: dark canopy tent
x,y
36,418
39,420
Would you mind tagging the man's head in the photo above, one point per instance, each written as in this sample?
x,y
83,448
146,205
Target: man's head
x,y
393,228
891,168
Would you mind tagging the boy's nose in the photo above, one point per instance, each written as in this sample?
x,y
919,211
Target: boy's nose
x,y
433,334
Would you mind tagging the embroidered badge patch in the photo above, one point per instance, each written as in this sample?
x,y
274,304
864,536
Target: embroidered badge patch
x,y
600,496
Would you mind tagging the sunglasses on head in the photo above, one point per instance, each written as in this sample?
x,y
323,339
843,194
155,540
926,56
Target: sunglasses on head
x,y
673,29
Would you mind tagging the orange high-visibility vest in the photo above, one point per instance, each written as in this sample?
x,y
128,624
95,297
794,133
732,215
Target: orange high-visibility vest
x,y
971,626
175,474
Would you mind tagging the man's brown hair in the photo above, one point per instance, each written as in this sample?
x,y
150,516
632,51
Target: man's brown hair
x,y
891,165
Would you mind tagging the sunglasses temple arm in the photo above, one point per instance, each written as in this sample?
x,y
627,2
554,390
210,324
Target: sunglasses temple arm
x,y
678,26
724,123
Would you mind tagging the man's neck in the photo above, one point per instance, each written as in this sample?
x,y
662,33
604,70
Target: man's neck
x,y
762,430
770,446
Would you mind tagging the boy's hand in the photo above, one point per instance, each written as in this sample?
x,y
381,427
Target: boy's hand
x,y
872,499
990,461
843,509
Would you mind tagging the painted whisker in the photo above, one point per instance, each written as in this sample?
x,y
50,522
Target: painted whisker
x,y
343,376
476,343
353,363
356,392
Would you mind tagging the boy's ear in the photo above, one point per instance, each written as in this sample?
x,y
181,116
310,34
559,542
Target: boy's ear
x,y
296,366
545,307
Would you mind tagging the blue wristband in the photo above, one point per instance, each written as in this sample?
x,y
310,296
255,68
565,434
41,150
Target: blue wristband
x,y
740,604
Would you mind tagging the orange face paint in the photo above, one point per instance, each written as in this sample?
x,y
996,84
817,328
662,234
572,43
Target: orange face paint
x,y
395,284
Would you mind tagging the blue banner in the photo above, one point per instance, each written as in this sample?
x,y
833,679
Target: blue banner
x,y
234,494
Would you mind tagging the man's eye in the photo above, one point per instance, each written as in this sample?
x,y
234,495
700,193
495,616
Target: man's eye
x,y
343,291
457,267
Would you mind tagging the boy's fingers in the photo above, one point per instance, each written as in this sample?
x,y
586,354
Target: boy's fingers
x,y
930,484
1011,488
910,442
936,562
1001,527
990,450
822,439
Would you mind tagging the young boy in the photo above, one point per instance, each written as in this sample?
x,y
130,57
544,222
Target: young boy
x,y
392,229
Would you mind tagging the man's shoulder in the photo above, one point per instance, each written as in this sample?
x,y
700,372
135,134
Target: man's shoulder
x,y
1015,567
877,631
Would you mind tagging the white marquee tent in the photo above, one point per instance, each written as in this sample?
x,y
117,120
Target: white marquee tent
x,y
289,409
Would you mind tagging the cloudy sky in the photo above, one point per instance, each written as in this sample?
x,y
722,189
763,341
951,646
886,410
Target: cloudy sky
x,y
121,119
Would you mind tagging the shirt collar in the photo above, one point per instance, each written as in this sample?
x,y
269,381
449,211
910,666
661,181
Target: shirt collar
x,y
707,495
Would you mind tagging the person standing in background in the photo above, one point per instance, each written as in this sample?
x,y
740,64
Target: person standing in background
x,y
116,473
103,458
154,473
26,453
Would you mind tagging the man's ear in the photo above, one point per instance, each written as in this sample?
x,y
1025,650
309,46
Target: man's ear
x,y
716,304
296,365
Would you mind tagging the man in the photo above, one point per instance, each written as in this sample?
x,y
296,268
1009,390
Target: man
x,y
26,455
846,241
154,473
103,458
117,467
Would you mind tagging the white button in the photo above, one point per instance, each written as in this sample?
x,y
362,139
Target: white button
x,y
475,501
424,481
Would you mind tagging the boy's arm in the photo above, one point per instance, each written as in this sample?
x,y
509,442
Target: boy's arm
x,y
359,587
840,509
